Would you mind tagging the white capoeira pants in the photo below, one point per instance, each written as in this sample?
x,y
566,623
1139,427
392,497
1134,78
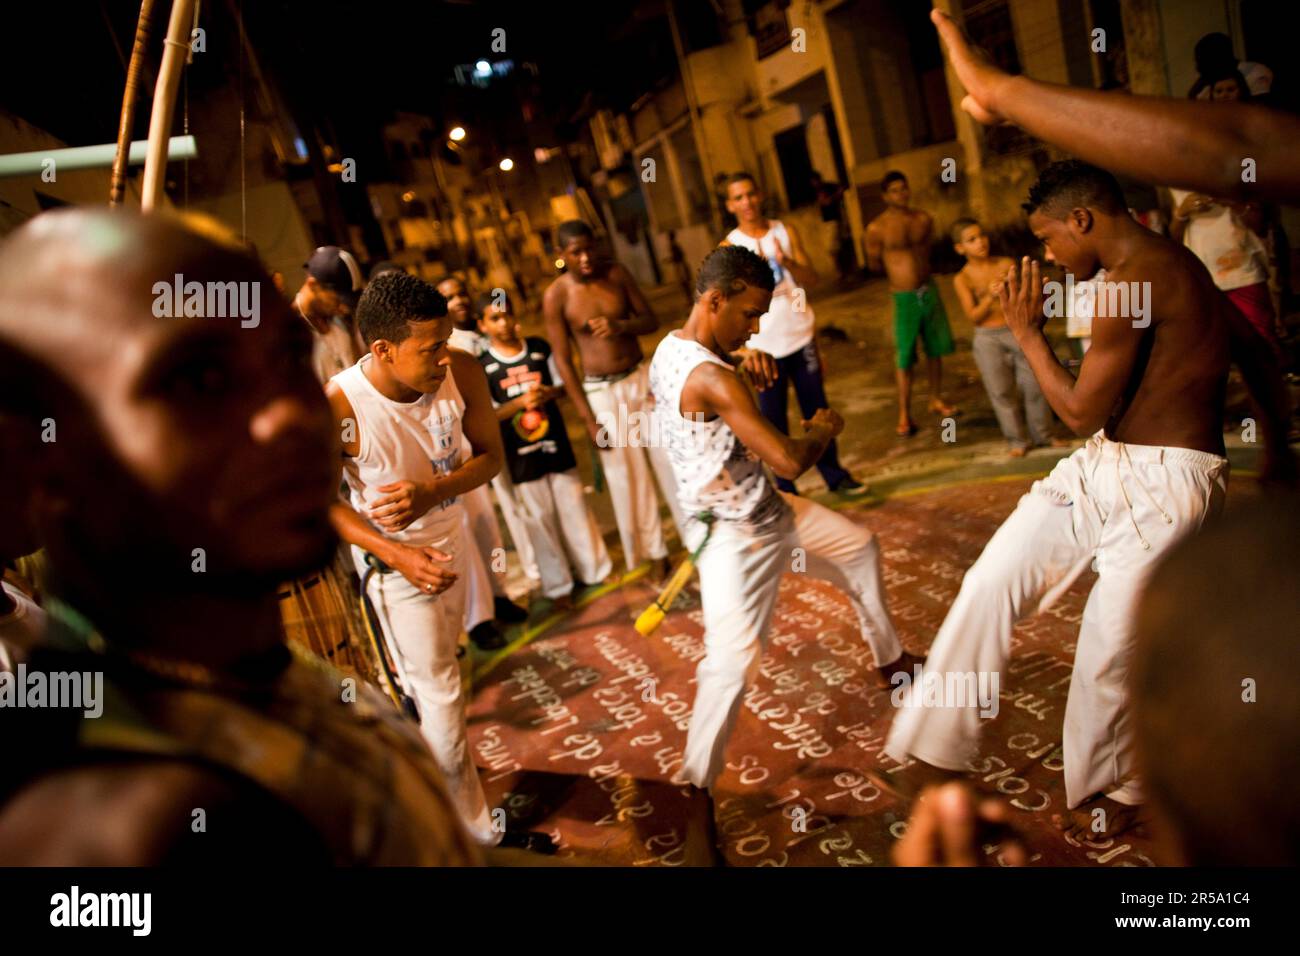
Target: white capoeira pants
x,y
502,485
1118,506
554,512
740,572
628,464
480,532
422,631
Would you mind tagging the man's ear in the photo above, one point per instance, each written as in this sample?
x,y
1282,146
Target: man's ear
x,y
382,350
713,300
1082,219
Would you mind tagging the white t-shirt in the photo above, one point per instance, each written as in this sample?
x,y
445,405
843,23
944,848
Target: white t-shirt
x,y
20,628
467,340
1234,255
783,329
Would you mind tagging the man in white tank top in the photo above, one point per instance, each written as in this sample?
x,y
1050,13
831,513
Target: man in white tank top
x,y
719,445
787,331
404,411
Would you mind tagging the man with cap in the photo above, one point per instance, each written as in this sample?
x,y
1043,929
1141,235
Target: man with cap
x,y
329,292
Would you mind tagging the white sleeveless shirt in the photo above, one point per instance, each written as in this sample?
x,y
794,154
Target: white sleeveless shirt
x,y
714,471
782,331
404,441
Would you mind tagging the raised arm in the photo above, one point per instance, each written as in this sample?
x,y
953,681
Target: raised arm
x,y
714,390
1193,144
561,341
797,262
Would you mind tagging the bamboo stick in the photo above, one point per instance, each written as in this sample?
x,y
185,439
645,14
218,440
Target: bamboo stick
x,y
175,49
117,179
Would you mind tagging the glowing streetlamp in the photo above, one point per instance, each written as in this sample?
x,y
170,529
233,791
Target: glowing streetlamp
x,y
457,133
506,164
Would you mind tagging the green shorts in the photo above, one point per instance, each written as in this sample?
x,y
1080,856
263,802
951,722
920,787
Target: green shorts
x,y
920,314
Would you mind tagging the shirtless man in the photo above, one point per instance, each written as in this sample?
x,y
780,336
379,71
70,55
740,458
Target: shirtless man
x,y
179,439
598,306
898,240
1150,393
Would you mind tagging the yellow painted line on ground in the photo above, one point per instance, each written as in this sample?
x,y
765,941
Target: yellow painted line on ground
x,y
530,634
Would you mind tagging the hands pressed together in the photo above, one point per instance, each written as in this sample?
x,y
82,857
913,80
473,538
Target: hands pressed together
x,y
1021,296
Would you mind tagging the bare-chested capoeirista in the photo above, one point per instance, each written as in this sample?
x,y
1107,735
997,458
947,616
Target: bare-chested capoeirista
x,y
898,241
597,305
1150,393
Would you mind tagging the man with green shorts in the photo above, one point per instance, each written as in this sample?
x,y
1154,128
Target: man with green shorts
x,y
898,240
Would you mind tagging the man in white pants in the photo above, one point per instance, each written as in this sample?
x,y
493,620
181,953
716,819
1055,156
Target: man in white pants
x,y
1150,391
404,411
547,489
598,306
719,442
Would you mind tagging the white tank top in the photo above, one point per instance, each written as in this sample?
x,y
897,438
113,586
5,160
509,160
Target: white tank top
x,y
713,469
404,441
782,330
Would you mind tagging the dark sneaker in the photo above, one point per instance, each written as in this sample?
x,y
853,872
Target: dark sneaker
x,y
851,488
533,841
486,637
507,611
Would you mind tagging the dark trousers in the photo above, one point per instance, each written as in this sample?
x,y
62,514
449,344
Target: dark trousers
x,y
805,372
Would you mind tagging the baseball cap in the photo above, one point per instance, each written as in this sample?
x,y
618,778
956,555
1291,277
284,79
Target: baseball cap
x,y
337,270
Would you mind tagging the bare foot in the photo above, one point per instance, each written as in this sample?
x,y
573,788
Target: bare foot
x,y
905,429
1100,817
904,665
940,407
1017,451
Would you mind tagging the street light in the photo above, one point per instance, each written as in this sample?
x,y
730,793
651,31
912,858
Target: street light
x,y
506,164
457,133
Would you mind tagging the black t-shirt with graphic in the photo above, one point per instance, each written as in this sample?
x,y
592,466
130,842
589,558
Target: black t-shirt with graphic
x,y
535,441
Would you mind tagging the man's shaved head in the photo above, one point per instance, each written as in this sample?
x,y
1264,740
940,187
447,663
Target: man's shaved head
x,y
155,433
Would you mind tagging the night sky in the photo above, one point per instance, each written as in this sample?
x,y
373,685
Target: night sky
x,y
354,62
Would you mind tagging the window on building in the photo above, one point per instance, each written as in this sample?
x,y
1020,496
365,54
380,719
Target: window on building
x,y
796,166
988,24
934,124
1110,64
768,25
698,24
